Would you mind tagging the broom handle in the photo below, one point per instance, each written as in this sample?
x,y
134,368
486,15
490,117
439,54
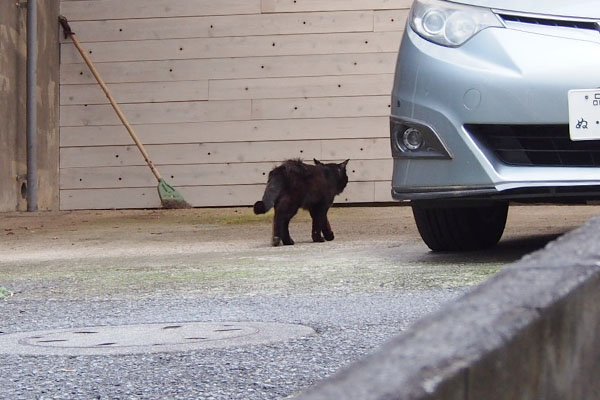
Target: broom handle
x,y
115,106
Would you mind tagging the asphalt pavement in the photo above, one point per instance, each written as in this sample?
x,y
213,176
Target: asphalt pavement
x,y
121,272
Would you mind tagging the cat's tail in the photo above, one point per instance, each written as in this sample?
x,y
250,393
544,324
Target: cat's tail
x,y
272,191
260,207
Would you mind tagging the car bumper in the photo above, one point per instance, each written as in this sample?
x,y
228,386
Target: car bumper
x,y
453,91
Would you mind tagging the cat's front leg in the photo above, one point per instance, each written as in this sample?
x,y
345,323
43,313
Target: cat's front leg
x,y
316,237
327,232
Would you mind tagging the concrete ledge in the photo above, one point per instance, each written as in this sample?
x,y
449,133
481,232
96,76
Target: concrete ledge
x,y
530,332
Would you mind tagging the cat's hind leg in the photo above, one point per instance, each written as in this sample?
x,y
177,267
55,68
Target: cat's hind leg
x,y
319,220
278,228
285,209
275,236
287,239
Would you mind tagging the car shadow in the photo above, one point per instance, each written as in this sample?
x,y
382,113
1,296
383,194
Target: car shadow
x,y
506,251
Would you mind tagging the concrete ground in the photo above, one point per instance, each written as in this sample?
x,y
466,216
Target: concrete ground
x,y
91,268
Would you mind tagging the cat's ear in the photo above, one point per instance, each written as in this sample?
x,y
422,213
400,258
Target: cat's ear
x,y
317,162
343,165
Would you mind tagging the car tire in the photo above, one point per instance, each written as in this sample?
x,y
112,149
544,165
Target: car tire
x,y
460,228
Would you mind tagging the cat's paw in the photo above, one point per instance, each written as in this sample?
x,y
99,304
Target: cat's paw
x,y
317,238
328,236
276,241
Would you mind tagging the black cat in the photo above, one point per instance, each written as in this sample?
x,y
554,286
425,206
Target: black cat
x,y
295,184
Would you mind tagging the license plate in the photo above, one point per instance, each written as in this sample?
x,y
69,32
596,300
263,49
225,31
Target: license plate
x,y
584,114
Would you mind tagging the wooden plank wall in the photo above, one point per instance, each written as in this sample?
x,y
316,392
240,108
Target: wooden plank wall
x,y
222,91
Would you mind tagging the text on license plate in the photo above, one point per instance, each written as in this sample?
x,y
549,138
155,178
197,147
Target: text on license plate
x,y
584,114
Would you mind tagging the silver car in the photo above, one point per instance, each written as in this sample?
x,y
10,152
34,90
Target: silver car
x,y
494,101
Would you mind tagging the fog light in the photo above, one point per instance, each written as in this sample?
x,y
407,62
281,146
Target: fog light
x,y
415,140
412,139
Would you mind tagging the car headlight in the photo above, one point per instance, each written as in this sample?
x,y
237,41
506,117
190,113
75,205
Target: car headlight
x,y
449,24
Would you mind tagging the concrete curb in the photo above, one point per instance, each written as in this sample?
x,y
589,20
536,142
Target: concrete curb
x,y
530,332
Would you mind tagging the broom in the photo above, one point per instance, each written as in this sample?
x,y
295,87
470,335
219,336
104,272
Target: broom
x,y
169,197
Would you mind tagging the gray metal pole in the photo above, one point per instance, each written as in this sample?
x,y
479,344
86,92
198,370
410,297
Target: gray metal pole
x,y
32,187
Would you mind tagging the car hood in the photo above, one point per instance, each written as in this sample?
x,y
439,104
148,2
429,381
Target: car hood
x,y
563,8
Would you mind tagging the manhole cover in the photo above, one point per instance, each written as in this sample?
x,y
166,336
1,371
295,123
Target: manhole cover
x,y
148,338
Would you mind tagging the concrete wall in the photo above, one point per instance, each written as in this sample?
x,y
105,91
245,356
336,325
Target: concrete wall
x,y
530,332
48,104
13,144
12,103
221,91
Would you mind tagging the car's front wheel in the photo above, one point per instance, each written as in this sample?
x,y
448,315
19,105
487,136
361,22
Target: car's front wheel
x,y
460,227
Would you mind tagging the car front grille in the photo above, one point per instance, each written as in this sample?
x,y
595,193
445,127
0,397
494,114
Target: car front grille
x,y
562,23
536,145
571,28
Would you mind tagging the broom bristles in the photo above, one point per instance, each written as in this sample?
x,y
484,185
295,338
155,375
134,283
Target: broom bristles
x,y
169,197
175,204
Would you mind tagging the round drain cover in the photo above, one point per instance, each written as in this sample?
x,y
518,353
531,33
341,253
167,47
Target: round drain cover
x,y
148,338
